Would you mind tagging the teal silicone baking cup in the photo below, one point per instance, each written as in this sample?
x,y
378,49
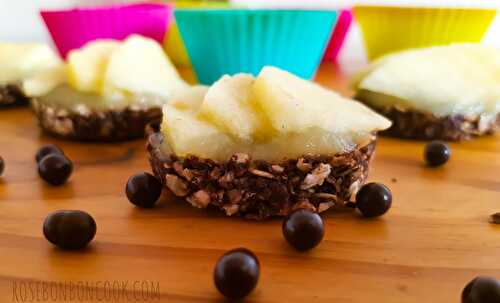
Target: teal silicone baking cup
x,y
229,41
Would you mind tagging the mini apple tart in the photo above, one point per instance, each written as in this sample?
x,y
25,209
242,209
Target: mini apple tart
x,y
18,63
107,90
262,147
445,92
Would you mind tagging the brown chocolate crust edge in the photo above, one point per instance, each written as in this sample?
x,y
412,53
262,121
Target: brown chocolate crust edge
x,y
259,189
98,126
12,95
421,126
424,126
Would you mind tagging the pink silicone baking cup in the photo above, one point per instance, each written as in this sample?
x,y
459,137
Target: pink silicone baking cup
x,y
338,36
71,29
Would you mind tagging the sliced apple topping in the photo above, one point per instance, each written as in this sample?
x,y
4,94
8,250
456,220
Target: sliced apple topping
x,y
446,80
44,82
458,79
87,66
189,99
227,105
112,74
295,105
22,61
139,66
36,67
275,116
188,135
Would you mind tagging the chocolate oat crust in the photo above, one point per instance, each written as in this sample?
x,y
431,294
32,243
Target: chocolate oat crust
x,y
423,126
258,189
96,126
11,95
412,124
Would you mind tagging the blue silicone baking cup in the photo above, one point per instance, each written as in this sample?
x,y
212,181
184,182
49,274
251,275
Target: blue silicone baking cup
x,y
229,41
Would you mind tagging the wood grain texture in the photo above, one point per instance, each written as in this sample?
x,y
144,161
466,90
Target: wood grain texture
x,y
434,240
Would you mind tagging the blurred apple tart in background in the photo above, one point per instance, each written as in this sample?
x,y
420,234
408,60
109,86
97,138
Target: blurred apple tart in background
x,y
443,92
106,91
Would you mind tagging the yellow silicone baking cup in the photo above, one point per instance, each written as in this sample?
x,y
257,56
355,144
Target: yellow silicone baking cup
x,y
173,44
388,29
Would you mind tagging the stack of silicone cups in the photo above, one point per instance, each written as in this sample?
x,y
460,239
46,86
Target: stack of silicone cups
x,y
71,29
393,27
229,41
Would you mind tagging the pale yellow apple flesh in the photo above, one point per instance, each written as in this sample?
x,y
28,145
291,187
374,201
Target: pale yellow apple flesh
x,y
188,135
189,99
23,61
87,66
108,74
140,66
461,79
294,105
228,106
297,116
43,83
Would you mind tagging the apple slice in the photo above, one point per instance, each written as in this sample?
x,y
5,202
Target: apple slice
x,y
188,135
87,66
189,99
460,79
139,66
44,82
227,105
294,105
22,61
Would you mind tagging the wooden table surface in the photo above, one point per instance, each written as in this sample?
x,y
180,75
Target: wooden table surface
x,y
433,241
